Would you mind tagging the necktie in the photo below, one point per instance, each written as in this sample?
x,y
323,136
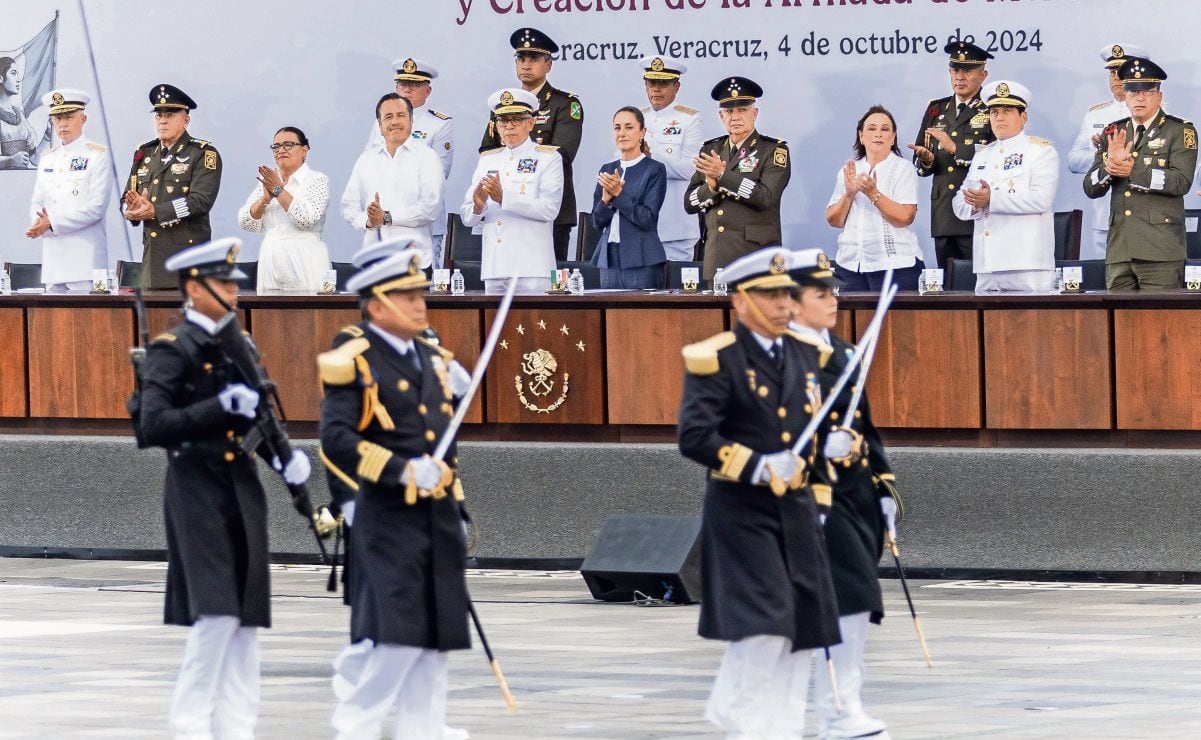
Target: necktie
x,y
1138,137
777,354
413,359
959,110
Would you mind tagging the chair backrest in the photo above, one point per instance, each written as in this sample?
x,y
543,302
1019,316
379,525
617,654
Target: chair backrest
x,y
586,237
460,243
1068,226
471,274
590,272
251,280
960,275
129,274
23,275
1093,272
1192,233
675,282
344,270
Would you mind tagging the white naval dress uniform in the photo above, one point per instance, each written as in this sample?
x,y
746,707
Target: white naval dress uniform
x,y
74,185
1013,241
518,233
437,131
1080,159
410,184
675,135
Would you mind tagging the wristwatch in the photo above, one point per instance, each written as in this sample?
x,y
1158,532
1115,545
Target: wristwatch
x,y
275,191
387,218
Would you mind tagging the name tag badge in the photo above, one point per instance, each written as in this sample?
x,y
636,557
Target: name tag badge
x,y
527,165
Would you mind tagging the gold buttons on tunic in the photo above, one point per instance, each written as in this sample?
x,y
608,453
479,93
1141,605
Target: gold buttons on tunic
x,y
782,412
951,169
1127,193
951,186
153,234
208,367
987,233
403,384
421,409
721,212
1127,213
429,435
229,457
763,391
808,409
785,437
834,416
720,229
229,434
448,409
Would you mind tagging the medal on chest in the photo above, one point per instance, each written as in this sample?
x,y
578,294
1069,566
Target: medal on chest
x,y
79,164
1012,161
747,162
527,165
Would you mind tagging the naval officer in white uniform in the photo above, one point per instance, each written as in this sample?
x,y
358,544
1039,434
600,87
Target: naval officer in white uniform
x,y
674,133
1080,158
71,196
515,193
1008,194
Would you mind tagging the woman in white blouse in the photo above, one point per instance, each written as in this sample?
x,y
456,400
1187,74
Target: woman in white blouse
x,y
874,203
288,207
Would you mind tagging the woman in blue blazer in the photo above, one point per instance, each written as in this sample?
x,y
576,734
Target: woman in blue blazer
x,y
625,209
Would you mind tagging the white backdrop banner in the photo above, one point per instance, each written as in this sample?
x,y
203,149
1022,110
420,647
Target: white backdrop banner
x,y
254,67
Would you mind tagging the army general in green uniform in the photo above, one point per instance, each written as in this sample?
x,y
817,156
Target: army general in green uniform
x,y
559,120
171,188
739,179
1146,164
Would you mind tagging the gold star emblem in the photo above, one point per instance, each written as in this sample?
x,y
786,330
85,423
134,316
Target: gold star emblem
x,y
504,344
564,329
580,345
521,330
541,324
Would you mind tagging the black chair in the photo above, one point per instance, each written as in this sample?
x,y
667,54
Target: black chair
x,y
250,281
590,272
675,282
1093,272
129,274
1068,225
344,271
586,236
1192,233
460,243
959,275
21,275
471,274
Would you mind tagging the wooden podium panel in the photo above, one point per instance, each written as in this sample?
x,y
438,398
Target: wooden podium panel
x,y
289,340
459,330
845,327
162,319
79,362
1155,368
926,372
13,387
1047,369
645,369
549,368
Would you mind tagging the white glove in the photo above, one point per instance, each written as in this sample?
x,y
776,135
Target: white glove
x,y
821,519
239,399
460,379
888,507
784,464
298,468
838,444
425,471
348,513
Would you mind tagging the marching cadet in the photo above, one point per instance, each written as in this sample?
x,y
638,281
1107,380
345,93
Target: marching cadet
x,y
195,405
1008,196
430,127
515,193
389,397
1146,163
765,575
558,121
1088,140
172,186
739,179
674,134
865,504
70,198
951,129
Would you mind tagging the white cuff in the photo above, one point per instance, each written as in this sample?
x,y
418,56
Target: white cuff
x,y
1157,179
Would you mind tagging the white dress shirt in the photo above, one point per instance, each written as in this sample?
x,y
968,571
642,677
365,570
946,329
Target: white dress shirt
x,y
437,131
675,135
867,242
410,185
518,233
615,226
74,185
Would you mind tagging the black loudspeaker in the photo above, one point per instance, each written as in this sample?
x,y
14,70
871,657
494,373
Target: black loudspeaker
x,y
659,556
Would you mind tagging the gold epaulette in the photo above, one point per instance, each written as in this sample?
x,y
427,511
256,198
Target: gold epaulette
x,y
1040,141
164,337
353,330
200,143
436,114
701,358
823,350
823,495
97,147
686,110
547,148
337,367
1099,106
486,152
446,354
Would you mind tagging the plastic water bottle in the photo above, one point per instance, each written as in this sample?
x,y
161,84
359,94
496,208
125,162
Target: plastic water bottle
x,y
457,284
575,283
719,283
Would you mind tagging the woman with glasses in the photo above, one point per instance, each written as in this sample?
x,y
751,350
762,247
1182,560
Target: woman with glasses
x,y
288,207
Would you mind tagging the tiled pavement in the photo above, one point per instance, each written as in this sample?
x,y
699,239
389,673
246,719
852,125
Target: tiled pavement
x,y
83,655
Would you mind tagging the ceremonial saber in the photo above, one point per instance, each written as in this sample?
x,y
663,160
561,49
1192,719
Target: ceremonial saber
x,y
891,543
510,702
857,394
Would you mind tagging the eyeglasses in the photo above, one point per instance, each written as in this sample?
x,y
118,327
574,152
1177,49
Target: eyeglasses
x,y
506,122
1141,93
287,146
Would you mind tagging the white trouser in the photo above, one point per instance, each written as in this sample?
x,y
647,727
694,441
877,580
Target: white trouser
x,y
760,690
73,286
369,679
525,285
1096,249
217,691
680,250
1024,281
848,668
